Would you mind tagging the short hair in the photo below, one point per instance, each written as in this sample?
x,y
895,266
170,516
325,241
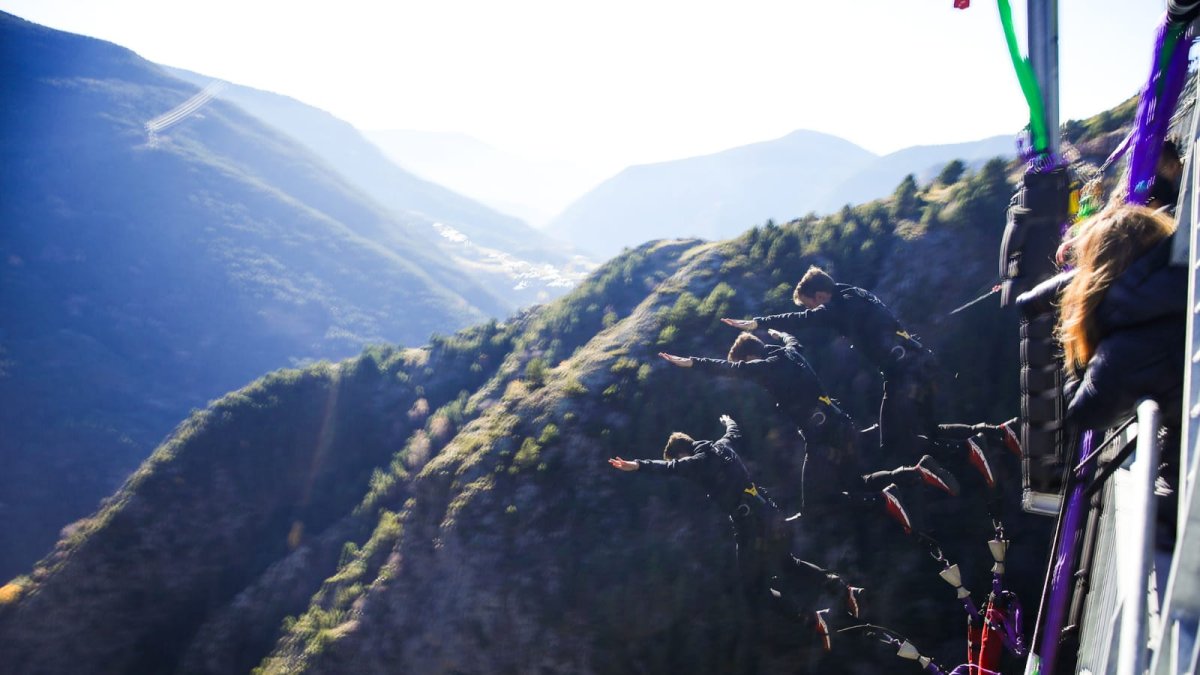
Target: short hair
x,y
747,347
678,445
814,281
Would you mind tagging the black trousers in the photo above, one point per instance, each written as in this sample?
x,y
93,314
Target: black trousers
x,y
906,411
766,563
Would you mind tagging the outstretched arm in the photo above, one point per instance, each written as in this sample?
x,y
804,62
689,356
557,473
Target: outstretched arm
x,y
731,428
680,361
787,339
793,321
742,324
719,366
623,464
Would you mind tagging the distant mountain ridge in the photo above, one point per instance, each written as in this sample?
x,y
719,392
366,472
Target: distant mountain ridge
x,y
718,195
521,264
879,177
712,196
143,274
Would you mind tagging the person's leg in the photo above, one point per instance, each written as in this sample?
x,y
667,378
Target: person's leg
x,y
829,580
752,570
1005,433
900,420
981,443
871,502
818,599
956,433
927,470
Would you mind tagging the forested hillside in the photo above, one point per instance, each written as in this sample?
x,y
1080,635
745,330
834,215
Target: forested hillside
x,y
449,509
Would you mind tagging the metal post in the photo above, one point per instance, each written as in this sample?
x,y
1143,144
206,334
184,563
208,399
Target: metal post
x,y
1133,654
1043,57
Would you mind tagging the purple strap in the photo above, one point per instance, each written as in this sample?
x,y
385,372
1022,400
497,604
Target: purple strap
x,y
1159,98
1062,574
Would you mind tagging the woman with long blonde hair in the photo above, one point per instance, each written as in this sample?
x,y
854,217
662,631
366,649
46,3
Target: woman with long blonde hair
x,y
1122,318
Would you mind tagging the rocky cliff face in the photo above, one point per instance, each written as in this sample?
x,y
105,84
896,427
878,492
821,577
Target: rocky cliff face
x,y
450,510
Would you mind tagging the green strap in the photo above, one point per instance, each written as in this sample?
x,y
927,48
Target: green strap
x,y
1033,95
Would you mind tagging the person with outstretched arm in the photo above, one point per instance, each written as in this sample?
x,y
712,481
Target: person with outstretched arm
x,y
769,572
783,371
834,471
908,367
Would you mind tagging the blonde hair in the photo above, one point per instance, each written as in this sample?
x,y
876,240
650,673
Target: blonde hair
x,y
1105,247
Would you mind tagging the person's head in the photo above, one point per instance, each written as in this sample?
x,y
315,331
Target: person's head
x,y
747,347
1107,244
1167,177
814,289
679,445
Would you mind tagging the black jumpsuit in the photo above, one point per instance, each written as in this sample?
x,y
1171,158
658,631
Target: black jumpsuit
x,y
765,560
908,368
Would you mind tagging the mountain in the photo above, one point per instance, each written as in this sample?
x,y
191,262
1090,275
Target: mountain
x,y
449,509
713,196
533,190
160,248
521,264
719,195
879,177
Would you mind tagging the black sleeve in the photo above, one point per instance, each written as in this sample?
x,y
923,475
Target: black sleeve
x,y
1041,299
687,467
723,367
1094,399
731,430
1146,361
790,341
712,365
795,321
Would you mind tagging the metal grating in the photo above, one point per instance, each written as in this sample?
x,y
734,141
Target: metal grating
x,y
1175,649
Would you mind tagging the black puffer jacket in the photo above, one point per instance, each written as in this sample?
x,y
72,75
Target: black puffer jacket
x,y
1142,326
715,465
798,392
859,316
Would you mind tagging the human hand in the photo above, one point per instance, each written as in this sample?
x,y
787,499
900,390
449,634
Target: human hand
x,y
1063,252
778,335
681,361
726,420
623,464
743,324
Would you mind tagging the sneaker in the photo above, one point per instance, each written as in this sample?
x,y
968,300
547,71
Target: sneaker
x,y
852,606
1012,441
823,629
979,459
891,502
933,473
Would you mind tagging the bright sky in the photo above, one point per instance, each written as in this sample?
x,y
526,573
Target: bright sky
x,y
609,83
